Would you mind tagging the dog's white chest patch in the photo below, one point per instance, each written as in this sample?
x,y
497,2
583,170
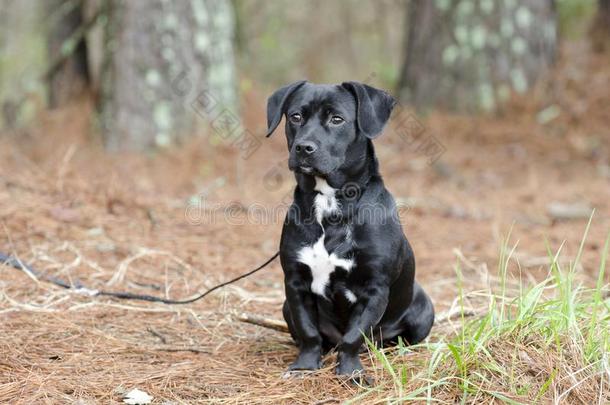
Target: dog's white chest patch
x,y
325,203
321,264
316,257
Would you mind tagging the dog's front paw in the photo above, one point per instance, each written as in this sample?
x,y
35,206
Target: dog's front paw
x,y
310,360
351,368
348,364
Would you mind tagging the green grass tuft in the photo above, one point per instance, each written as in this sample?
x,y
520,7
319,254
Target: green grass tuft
x,y
539,342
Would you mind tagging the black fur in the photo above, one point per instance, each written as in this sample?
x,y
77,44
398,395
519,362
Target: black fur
x,y
365,228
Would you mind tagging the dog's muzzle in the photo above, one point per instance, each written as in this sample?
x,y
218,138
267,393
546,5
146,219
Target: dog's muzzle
x,y
304,157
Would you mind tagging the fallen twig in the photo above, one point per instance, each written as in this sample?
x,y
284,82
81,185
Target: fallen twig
x,y
156,334
264,322
178,349
454,314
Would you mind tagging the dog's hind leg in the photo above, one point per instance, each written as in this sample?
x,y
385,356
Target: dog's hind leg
x,y
418,318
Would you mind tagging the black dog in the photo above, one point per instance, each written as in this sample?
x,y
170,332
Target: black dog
x,y
348,268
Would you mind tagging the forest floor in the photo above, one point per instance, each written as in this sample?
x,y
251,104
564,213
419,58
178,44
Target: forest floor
x,y
136,223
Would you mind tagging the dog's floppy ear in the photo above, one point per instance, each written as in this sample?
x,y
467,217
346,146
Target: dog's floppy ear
x,y
373,108
275,105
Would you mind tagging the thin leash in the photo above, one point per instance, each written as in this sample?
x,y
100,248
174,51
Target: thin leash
x,y
79,288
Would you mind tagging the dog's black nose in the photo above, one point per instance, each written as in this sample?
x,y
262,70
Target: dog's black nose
x,y
306,148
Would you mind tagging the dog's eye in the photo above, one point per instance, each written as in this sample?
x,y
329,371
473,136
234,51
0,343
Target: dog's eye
x,y
336,120
296,118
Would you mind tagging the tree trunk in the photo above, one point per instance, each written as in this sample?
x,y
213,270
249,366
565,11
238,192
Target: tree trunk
x,y
600,31
158,56
23,60
42,62
468,55
67,74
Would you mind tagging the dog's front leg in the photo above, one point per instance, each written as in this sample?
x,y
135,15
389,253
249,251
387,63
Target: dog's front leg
x,y
366,313
303,313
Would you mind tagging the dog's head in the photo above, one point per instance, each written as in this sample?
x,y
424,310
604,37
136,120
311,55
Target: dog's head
x,y
328,126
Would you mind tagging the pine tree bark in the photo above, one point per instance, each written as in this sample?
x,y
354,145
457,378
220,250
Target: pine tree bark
x,y
469,55
42,62
600,31
67,75
157,56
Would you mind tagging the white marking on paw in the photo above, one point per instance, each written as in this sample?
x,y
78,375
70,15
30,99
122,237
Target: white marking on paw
x,y
351,297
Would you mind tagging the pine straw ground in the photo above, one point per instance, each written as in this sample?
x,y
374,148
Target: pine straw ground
x,y
121,223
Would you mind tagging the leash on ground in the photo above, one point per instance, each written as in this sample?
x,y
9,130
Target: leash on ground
x,y
79,288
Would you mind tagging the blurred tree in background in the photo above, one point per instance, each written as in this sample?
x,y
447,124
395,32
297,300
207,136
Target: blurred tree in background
x,y
43,56
470,55
154,53
142,58
600,31
67,74
145,61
